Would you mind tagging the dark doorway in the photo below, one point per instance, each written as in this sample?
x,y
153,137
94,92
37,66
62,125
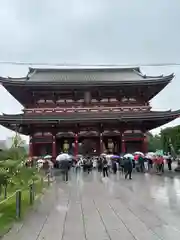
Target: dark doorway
x,y
133,146
42,149
89,146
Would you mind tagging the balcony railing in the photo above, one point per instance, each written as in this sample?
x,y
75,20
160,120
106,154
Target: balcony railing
x,y
85,110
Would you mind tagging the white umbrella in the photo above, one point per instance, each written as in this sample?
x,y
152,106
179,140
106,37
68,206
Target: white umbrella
x,y
103,154
129,155
40,161
151,153
63,157
47,157
108,155
139,153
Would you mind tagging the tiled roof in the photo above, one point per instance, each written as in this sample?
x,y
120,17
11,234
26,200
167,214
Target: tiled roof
x,y
86,75
88,116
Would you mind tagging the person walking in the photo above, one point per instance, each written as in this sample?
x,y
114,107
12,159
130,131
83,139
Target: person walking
x,y
160,164
169,162
141,163
89,165
65,166
78,165
105,167
128,166
114,166
99,164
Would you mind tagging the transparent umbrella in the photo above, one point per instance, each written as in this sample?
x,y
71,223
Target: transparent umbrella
x,y
150,155
63,157
129,155
139,153
104,155
40,161
47,157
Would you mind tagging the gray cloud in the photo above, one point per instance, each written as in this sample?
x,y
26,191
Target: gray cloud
x,y
91,32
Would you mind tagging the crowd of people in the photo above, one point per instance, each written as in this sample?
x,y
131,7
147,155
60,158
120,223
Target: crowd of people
x,y
111,164
106,164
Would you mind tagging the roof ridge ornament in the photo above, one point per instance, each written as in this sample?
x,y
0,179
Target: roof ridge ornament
x,y
31,72
148,76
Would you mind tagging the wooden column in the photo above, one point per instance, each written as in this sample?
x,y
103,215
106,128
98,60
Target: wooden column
x,y
145,144
30,147
101,143
76,144
123,144
54,154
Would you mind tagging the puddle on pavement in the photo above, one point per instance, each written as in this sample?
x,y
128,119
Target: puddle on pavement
x,y
168,193
61,208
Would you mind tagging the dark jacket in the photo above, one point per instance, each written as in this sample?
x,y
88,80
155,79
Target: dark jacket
x,y
114,166
128,165
64,165
104,163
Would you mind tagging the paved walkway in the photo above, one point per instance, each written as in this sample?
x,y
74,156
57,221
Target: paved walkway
x,y
90,207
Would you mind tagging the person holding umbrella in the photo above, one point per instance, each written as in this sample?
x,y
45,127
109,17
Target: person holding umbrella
x,y
64,165
114,166
105,167
128,166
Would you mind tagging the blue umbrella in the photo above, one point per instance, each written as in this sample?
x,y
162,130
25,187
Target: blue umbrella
x,y
115,156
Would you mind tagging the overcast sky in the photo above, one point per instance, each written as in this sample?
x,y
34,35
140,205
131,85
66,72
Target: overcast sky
x,y
90,32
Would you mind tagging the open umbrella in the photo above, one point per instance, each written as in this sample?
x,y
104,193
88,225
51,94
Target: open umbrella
x,y
40,161
139,153
47,157
150,155
108,156
129,155
103,154
115,156
63,157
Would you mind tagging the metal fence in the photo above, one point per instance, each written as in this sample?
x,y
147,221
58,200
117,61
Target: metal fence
x,y
15,205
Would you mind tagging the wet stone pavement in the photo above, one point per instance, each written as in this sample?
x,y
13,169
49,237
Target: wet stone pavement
x,y
90,207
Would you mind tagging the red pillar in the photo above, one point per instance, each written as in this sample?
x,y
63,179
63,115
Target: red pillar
x,y
76,146
123,144
145,144
30,147
54,148
100,143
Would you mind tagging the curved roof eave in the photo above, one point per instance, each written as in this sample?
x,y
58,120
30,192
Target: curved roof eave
x,y
65,67
25,82
82,116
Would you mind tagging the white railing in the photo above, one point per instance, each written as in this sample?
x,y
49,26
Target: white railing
x,y
85,110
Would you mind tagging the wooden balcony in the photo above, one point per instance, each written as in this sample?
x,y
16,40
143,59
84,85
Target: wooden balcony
x,y
49,111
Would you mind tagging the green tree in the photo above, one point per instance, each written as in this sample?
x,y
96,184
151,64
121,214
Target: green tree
x,y
12,164
154,142
17,141
171,139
